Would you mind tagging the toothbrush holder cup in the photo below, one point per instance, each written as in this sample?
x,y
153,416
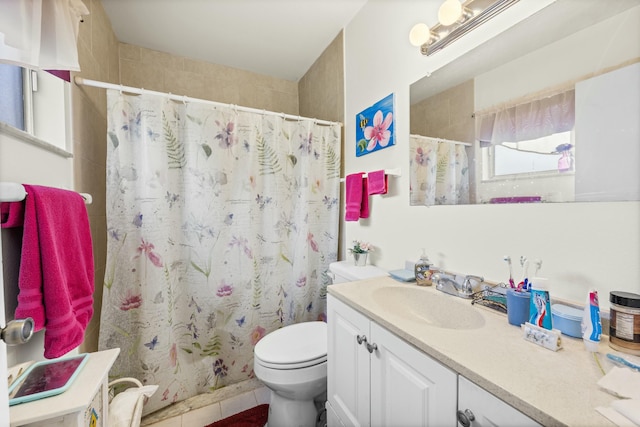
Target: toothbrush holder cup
x,y
518,306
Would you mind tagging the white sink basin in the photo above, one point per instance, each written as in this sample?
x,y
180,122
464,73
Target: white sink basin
x,y
438,310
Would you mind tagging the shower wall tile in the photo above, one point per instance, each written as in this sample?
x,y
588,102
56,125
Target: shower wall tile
x,y
322,95
263,395
162,60
164,72
202,416
129,51
446,115
99,60
141,75
237,404
185,82
322,87
172,422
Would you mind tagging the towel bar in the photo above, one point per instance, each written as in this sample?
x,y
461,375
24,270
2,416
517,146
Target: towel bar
x,y
14,192
389,172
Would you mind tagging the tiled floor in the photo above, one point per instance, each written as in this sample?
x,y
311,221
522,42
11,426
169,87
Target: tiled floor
x,y
205,409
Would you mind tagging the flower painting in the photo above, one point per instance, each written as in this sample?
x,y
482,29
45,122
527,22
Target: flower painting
x,y
375,127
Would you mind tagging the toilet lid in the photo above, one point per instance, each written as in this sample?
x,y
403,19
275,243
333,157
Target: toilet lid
x,y
293,346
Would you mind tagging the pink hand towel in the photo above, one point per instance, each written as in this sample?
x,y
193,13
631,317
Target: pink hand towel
x,y
377,182
353,196
56,268
364,204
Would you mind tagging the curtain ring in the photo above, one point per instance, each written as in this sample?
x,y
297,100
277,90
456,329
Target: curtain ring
x,y
184,99
121,89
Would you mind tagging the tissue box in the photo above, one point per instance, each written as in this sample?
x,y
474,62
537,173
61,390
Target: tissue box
x,y
567,319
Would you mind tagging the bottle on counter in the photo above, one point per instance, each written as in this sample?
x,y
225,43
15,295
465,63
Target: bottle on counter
x,y
423,271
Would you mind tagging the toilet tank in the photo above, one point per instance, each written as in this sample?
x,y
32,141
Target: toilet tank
x,y
346,271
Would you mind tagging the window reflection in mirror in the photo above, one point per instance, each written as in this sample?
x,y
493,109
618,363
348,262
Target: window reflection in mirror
x,y
578,50
552,153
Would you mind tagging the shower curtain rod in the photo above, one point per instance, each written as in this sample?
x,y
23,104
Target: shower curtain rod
x,y
104,85
466,144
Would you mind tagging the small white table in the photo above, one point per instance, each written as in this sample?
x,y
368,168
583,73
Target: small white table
x,y
84,404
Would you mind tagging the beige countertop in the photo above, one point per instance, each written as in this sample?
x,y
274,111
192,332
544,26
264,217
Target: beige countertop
x,y
553,388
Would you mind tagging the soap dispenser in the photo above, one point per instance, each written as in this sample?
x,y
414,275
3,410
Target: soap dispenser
x,y
423,271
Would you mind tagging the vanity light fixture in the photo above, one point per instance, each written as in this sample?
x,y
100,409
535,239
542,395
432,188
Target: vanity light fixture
x,y
450,11
456,19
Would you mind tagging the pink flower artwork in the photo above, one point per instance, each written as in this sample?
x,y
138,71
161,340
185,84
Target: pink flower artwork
x,y
375,128
379,133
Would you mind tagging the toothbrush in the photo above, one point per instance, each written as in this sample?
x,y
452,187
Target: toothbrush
x,y
511,282
538,264
524,283
622,362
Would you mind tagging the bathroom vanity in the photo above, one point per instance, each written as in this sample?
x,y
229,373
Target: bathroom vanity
x,y
399,354
375,378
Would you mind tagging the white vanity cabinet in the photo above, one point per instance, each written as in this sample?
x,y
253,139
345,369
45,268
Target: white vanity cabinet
x,y
479,408
377,379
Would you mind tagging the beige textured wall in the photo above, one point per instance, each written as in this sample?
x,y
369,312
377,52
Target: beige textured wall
x,y
98,55
446,115
321,89
321,94
164,72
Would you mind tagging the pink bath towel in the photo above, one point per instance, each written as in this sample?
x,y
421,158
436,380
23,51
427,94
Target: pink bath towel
x,y
56,267
353,196
377,182
11,214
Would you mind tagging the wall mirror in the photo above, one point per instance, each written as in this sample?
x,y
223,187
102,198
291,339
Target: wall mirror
x,y
572,73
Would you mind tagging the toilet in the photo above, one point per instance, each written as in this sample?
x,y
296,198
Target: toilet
x,y
292,361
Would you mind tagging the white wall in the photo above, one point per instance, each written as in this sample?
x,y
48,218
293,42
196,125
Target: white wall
x,y
582,245
26,162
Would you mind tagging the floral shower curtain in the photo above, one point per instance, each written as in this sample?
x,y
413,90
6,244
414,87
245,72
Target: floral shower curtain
x,y
221,224
439,172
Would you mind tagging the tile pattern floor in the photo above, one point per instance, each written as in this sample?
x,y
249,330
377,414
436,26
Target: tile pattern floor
x,y
205,409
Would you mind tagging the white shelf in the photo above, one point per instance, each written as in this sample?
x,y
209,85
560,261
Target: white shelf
x,y
77,398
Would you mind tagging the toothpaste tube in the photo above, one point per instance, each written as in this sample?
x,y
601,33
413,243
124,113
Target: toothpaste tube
x,y
591,324
540,305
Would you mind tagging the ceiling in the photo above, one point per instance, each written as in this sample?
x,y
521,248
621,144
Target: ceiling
x,y
278,38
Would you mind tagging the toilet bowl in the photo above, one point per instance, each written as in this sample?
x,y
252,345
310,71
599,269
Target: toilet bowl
x,y
292,363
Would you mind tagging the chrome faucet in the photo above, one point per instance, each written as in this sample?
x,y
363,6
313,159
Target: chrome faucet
x,y
450,286
468,287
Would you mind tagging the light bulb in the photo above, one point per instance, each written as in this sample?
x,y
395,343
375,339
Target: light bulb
x,y
419,34
450,11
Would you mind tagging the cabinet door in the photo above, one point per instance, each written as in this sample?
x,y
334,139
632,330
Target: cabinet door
x,y
409,388
486,409
347,364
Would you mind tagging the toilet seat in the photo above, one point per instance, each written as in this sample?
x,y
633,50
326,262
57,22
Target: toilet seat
x,y
293,347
